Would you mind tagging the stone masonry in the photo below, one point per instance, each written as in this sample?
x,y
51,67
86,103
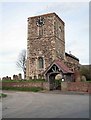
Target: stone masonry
x,y
45,43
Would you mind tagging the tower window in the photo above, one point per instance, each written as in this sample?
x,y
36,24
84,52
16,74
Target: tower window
x,y
41,62
40,31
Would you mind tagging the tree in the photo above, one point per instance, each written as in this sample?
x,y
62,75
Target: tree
x,y
85,71
21,62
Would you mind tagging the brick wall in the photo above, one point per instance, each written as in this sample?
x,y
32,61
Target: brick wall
x,y
76,86
65,86
43,85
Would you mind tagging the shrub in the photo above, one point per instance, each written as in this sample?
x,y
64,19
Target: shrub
x,y
85,71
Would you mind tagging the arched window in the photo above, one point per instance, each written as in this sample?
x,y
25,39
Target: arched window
x,y
40,62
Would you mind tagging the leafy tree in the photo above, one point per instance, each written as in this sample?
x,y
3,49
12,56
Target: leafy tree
x,y
21,62
85,71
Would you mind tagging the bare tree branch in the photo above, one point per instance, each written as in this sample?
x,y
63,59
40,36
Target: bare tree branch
x,y
21,62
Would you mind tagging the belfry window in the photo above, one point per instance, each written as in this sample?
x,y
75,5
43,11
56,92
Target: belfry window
x,y
40,31
40,62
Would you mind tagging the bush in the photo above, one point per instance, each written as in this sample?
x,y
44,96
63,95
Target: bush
x,y
85,71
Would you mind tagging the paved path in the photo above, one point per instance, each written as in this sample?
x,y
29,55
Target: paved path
x,y
44,105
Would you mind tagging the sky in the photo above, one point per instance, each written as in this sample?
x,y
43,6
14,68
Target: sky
x,y
13,30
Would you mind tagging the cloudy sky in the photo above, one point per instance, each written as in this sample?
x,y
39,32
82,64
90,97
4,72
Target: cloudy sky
x,y
13,30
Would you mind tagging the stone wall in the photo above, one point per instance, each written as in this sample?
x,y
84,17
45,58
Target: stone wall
x,y
76,86
71,61
43,85
46,41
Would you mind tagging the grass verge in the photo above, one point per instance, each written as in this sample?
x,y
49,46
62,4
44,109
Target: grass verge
x,y
2,95
33,89
34,80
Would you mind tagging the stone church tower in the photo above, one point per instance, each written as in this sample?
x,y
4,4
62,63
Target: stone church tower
x,y
45,42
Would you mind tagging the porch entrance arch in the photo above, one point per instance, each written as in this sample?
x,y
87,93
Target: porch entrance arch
x,y
55,84
57,67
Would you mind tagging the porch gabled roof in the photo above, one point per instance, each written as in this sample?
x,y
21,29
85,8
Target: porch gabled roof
x,y
60,65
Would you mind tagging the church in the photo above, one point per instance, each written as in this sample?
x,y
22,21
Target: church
x,y
46,56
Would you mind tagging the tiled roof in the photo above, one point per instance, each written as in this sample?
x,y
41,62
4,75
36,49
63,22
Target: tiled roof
x,y
60,65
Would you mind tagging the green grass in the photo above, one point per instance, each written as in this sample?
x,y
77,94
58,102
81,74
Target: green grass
x,y
33,89
2,95
35,80
88,81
